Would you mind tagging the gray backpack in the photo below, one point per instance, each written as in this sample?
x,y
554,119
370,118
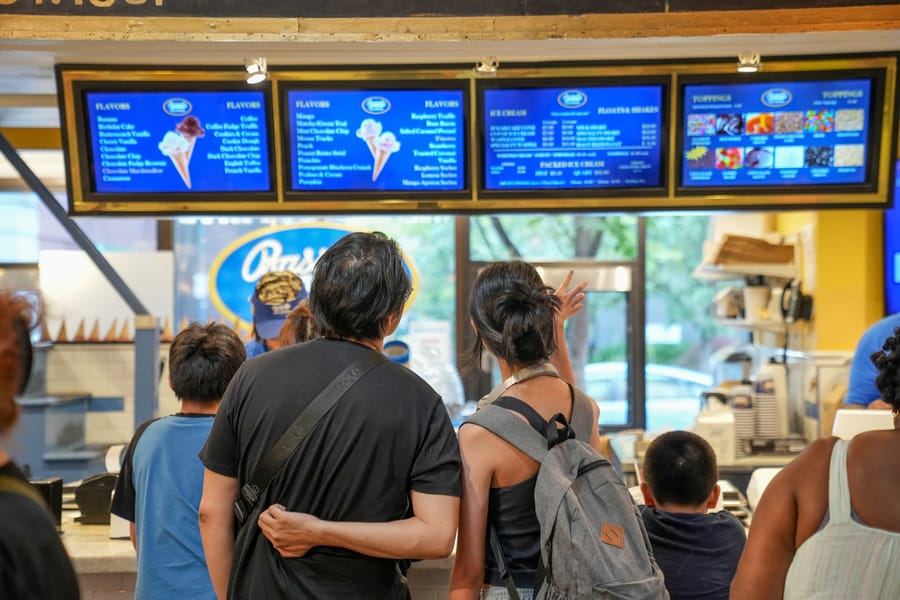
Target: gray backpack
x,y
593,541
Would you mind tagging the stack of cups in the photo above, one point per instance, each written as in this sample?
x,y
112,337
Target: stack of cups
x,y
770,401
740,398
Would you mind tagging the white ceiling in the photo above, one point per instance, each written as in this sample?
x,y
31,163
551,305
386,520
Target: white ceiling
x,y
28,92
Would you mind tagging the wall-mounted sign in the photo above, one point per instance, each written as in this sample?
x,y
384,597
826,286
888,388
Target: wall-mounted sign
x,y
296,248
805,133
178,141
585,137
405,138
778,133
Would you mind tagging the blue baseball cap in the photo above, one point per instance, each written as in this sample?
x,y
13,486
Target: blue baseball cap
x,y
277,293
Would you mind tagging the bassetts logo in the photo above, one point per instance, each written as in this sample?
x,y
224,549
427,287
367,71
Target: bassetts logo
x,y
376,105
177,107
572,99
297,247
777,97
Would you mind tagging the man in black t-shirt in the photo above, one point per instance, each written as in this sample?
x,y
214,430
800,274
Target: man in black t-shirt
x,y
376,481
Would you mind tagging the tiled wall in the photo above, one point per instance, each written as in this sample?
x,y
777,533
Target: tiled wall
x,y
104,370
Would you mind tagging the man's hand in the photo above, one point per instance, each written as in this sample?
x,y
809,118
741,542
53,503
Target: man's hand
x,y
292,534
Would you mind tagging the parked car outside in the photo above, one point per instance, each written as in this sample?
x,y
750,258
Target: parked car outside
x,y
673,393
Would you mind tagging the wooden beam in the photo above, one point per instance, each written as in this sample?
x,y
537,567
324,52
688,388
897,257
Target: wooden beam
x,y
24,138
411,29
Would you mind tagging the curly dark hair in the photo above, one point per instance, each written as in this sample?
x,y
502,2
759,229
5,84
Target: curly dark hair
x,y
887,361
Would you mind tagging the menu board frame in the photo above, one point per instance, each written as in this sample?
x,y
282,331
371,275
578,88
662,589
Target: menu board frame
x,y
76,82
473,198
782,81
325,81
575,83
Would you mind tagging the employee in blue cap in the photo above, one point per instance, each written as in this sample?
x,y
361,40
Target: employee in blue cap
x,y
277,293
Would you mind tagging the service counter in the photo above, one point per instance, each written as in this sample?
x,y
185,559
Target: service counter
x,y
106,568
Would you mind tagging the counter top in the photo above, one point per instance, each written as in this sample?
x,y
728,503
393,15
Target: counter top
x,y
92,551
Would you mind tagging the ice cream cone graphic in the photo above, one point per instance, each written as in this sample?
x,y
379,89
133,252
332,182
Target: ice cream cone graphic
x,y
385,145
369,130
190,129
175,147
180,160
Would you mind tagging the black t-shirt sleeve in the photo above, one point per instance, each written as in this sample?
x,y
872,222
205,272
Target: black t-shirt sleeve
x,y
220,453
436,467
124,497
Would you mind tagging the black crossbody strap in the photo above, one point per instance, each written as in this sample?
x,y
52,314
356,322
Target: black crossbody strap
x,y
502,566
305,422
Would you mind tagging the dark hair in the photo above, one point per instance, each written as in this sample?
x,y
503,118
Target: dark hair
x,y
357,284
887,361
202,360
514,314
17,318
298,326
680,467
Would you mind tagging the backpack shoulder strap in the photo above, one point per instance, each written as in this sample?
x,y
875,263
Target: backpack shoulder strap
x,y
16,486
537,422
505,424
582,420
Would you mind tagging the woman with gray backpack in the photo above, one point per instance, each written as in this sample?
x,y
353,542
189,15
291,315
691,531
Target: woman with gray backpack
x,y
533,461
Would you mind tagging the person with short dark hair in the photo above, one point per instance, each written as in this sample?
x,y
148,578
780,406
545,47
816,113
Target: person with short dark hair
x,y
275,295
826,526
33,561
161,481
698,551
375,482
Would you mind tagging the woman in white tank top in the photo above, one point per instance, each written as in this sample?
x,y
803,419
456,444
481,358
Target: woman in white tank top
x,y
828,526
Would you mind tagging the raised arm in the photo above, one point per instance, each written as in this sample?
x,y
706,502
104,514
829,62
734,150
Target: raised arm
x,y
217,527
572,301
427,534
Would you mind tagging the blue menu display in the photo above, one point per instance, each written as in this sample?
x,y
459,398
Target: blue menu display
x,y
568,138
776,133
376,140
179,141
892,251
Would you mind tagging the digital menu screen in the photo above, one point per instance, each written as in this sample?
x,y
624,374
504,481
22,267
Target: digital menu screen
x,y
178,141
776,133
391,140
572,137
892,251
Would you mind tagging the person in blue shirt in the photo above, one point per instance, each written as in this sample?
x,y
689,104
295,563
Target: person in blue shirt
x,y
861,390
277,293
698,551
161,480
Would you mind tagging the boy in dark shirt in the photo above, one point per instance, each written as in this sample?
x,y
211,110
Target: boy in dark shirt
x,y
697,551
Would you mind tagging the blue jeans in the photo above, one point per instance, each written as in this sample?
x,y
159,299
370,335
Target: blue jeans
x,y
500,593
